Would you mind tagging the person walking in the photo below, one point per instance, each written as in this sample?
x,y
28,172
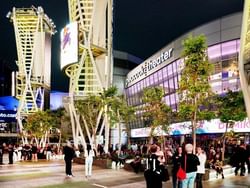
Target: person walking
x,y
34,152
69,154
241,158
11,151
153,172
48,152
200,168
176,164
189,162
88,154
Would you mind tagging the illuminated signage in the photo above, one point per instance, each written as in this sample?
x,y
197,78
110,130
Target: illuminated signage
x,y
69,44
149,66
7,116
204,127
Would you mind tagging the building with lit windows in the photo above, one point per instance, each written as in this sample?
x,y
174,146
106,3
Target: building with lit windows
x,y
163,69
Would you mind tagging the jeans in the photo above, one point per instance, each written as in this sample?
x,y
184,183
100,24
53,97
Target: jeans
x,y
88,166
176,183
189,181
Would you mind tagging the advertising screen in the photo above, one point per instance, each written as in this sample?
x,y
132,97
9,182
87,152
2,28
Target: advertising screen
x,y
69,44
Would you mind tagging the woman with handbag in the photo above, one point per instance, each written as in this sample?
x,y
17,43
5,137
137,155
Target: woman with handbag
x,y
189,163
176,165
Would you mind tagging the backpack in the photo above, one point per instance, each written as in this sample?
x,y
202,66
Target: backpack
x,y
155,170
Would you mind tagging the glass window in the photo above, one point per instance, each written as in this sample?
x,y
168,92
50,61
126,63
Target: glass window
x,y
172,99
160,77
155,77
176,82
214,52
238,45
174,67
147,82
225,86
151,79
165,72
228,47
217,87
167,100
170,70
166,87
171,85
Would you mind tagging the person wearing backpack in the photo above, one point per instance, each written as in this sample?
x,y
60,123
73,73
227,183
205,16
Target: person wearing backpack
x,y
153,172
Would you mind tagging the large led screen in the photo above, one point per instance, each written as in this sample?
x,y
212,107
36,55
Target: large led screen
x,y
69,44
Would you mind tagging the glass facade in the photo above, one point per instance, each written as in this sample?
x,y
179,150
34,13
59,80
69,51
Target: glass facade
x,y
224,56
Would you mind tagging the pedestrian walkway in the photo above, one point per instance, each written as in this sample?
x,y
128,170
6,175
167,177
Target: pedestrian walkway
x,y
43,173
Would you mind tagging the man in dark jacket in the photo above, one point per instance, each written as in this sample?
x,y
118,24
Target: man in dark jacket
x,y
69,154
153,172
189,163
241,159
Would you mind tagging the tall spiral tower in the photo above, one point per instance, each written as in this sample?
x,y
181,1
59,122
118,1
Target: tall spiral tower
x,y
33,30
92,71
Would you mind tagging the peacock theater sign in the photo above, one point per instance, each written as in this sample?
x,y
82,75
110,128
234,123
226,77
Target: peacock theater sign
x,y
148,67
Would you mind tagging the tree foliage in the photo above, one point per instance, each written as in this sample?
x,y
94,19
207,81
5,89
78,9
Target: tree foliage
x,y
156,112
38,123
194,89
231,107
95,111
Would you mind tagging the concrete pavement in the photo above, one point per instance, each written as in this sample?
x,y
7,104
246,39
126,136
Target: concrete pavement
x,y
42,173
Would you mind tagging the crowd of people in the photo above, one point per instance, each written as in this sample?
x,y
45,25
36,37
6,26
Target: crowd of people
x,y
152,159
195,163
28,152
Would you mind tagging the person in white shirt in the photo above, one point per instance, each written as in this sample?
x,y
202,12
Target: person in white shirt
x,y
200,168
88,154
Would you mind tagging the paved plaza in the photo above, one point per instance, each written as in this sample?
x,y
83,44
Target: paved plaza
x,y
45,173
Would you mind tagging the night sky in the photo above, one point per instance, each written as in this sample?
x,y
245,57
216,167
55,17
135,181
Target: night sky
x,y
141,27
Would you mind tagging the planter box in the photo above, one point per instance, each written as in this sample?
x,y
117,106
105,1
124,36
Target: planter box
x,y
103,163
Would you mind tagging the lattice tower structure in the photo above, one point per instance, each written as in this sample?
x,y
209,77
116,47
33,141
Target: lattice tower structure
x,y
33,30
93,71
244,56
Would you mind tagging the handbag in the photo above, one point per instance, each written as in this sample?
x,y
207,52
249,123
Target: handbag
x,y
181,173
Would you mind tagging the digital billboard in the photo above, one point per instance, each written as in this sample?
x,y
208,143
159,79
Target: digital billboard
x,y
69,44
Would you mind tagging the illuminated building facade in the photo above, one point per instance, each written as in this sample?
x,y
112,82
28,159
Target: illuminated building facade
x,y
164,68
